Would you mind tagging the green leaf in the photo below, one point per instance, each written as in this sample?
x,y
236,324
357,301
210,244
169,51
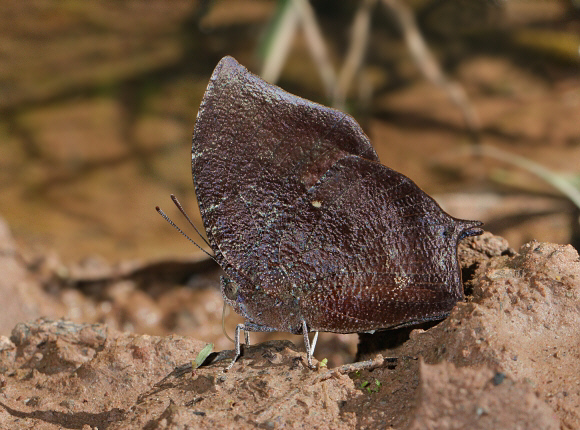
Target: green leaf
x,y
202,355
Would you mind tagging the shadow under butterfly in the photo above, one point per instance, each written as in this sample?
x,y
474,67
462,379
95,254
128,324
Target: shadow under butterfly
x,y
312,232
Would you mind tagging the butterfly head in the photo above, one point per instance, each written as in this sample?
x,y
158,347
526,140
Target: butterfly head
x,y
229,289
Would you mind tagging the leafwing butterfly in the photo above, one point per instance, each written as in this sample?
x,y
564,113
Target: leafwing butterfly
x,y
312,232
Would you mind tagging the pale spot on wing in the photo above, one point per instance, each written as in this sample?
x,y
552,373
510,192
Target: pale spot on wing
x,y
212,208
317,204
402,281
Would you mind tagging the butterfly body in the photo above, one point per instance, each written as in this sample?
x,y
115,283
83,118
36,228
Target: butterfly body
x,y
313,233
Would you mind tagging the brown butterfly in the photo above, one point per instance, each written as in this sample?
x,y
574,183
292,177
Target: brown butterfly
x,y
312,232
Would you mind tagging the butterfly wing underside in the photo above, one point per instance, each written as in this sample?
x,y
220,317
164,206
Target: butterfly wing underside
x,y
256,150
368,249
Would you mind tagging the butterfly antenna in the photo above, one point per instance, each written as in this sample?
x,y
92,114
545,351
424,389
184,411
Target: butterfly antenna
x,y
188,219
166,218
224,322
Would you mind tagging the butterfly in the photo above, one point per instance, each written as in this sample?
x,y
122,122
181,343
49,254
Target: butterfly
x,y
312,231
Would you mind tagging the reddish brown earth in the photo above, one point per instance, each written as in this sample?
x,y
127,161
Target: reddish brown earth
x,y
507,357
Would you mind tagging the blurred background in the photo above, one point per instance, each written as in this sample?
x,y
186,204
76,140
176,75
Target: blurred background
x,y
478,101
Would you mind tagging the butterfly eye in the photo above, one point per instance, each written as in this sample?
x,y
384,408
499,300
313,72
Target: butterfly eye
x,y
229,288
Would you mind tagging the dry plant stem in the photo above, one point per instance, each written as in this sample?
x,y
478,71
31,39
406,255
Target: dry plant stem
x,y
356,52
278,52
428,65
376,363
554,179
316,45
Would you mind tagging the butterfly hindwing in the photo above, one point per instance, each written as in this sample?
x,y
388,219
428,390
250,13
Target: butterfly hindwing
x,y
373,249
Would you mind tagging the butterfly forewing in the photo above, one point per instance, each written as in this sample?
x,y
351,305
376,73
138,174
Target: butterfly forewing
x,y
256,149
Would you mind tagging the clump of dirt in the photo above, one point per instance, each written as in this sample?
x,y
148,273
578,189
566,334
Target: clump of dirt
x,y
61,374
477,399
507,357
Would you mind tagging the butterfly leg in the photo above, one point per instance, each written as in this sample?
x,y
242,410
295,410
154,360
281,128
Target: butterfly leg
x,y
314,343
309,349
247,327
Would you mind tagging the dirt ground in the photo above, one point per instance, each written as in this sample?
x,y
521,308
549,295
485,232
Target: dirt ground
x,y
97,106
508,357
